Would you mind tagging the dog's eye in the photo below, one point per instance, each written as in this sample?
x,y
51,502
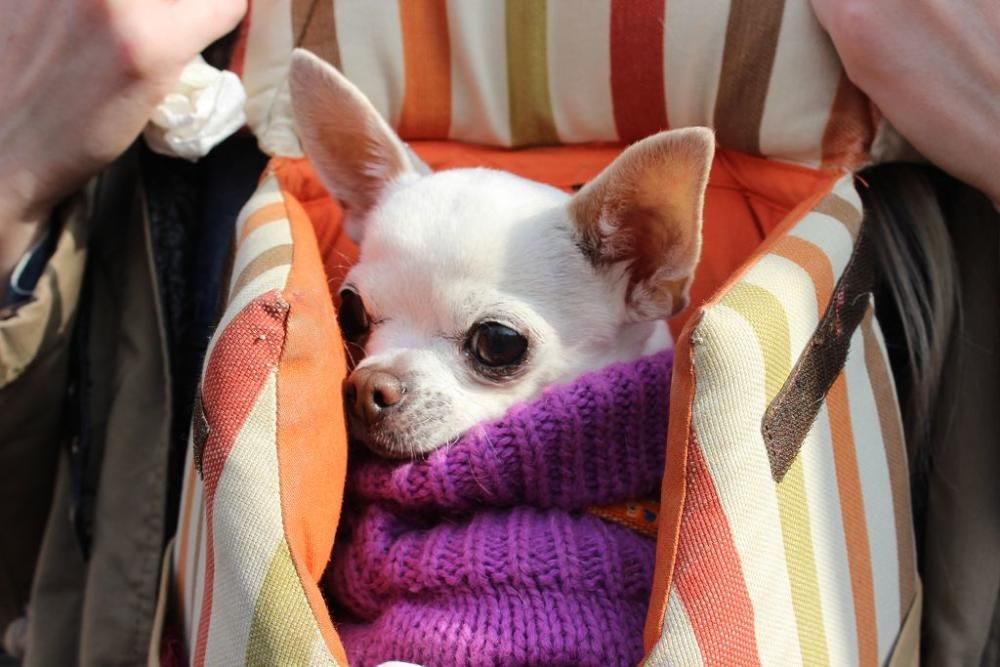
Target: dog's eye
x,y
495,345
351,316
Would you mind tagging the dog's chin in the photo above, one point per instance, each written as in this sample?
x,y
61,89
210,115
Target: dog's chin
x,y
387,442
386,445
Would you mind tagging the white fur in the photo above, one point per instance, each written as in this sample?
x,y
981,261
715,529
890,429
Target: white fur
x,y
446,251
443,252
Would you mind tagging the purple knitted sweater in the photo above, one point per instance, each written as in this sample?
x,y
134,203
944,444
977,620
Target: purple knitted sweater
x,y
483,554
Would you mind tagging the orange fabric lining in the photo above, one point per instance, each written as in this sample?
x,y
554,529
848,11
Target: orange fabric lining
x,y
747,199
750,203
312,435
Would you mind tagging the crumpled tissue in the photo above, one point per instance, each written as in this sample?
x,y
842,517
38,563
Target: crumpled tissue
x,y
205,107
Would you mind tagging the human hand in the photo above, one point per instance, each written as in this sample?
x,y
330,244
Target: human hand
x,y
933,68
79,79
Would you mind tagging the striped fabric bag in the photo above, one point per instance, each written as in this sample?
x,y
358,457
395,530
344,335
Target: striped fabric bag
x,y
784,533
513,73
263,487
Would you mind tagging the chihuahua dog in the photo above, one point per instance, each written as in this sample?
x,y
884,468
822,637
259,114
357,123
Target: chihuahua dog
x,y
476,288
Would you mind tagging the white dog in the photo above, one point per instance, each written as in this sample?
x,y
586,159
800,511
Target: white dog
x,y
476,288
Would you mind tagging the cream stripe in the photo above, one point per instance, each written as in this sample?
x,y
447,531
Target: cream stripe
x,y
371,52
791,285
247,528
781,332
196,560
188,559
268,192
580,73
829,542
259,241
480,111
320,656
783,277
192,554
269,48
678,644
199,579
892,428
692,74
735,454
845,188
802,88
829,235
876,490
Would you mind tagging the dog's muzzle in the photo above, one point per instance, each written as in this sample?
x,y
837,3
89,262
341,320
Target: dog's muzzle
x,y
371,394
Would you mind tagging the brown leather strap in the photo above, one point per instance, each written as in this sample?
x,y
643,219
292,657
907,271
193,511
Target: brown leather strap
x,y
791,414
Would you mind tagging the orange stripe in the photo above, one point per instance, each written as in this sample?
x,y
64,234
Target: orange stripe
x,y
813,261
426,110
855,525
711,582
895,452
850,128
261,217
673,491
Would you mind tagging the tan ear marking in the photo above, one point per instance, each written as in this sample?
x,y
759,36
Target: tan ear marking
x,y
644,212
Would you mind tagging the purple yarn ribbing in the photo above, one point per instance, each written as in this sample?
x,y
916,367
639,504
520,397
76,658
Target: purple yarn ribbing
x,y
482,554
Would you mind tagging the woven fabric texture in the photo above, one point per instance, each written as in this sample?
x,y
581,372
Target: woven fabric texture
x,y
239,582
763,73
816,569
819,568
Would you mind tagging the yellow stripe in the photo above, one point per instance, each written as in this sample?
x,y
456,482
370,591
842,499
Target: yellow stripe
x,y
283,629
531,119
766,316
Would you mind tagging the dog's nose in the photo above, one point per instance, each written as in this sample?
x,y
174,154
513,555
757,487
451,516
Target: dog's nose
x,y
370,393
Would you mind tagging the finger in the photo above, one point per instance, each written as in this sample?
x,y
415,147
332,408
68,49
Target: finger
x,y
201,22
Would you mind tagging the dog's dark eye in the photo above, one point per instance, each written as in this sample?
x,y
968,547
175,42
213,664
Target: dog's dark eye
x,y
351,316
496,345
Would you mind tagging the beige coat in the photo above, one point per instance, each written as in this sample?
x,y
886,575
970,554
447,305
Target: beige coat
x,y
99,610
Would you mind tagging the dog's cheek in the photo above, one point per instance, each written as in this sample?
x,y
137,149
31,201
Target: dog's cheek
x,y
424,421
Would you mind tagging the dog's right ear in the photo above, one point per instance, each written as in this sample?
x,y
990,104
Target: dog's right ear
x,y
355,152
643,213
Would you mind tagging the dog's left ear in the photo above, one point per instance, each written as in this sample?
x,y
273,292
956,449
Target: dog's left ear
x,y
643,215
355,152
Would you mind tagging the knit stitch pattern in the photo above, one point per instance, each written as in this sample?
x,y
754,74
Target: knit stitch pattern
x,y
483,554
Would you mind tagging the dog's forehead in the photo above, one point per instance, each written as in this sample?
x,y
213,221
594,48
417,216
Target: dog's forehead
x,y
458,209
445,248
